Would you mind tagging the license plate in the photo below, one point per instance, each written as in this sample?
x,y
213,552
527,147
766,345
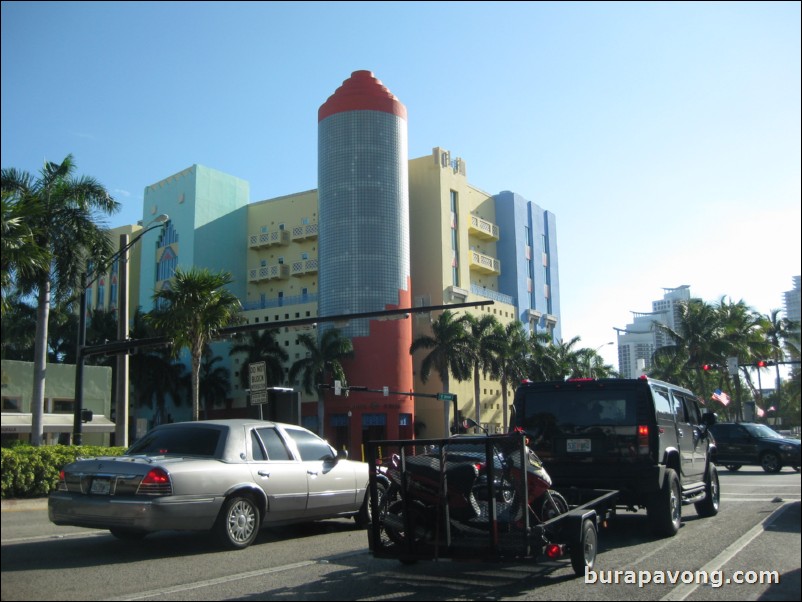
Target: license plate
x,y
100,486
578,445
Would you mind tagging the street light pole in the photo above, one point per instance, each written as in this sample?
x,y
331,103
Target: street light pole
x,y
80,357
595,352
121,401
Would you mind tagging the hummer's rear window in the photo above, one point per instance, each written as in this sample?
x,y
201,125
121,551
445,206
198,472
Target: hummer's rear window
x,y
585,407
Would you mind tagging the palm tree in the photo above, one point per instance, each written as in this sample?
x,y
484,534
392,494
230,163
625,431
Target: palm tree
x,y
512,361
19,326
778,332
320,359
448,348
448,351
66,229
157,377
568,362
592,364
261,346
696,341
542,363
196,306
215,381
21,257
486,342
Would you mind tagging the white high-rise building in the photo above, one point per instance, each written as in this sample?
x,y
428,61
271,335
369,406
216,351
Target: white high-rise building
x,y
639,340
792,302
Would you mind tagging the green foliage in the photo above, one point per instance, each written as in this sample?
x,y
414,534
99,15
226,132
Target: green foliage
x,y
29,471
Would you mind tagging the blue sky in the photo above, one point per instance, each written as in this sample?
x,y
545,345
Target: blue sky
x,y
665,137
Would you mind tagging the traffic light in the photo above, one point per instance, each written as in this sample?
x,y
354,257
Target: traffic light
x,y
709,367
764,363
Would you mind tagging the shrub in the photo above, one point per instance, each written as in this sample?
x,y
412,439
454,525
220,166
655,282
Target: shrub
x,y
29,471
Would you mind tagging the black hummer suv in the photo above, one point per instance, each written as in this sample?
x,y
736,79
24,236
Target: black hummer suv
x,y
644,437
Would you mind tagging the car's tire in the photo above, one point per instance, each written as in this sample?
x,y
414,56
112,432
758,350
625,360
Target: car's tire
x,y
128,534
734,467
709,506
238,523
770,461
665,509
364,517
583,555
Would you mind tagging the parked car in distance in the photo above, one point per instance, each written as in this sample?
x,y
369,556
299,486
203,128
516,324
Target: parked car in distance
x,y
229,477
646,438
739,443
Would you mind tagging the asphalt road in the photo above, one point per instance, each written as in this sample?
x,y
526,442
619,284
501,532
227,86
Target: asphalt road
x,y
758,529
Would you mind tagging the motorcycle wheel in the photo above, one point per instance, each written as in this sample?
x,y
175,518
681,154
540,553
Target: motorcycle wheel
x,y
394,522
549,505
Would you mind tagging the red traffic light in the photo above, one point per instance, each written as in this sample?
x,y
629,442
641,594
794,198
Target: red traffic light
x,y
761,363
707,367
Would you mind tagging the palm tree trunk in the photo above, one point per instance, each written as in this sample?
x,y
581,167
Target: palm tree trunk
x,y
504,422
196,362
476,386
40,364
320,414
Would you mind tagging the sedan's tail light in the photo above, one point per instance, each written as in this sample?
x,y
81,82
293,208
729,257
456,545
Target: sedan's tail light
x,y
156,482
62,482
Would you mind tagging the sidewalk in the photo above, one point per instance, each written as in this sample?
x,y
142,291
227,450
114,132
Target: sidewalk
x,y
19,505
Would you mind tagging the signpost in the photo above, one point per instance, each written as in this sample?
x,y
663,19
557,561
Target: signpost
x,y
258,380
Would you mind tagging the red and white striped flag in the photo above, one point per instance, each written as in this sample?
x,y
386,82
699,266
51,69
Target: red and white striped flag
x,y
720,396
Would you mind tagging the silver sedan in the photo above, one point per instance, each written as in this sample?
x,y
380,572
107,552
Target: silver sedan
x,y
230,477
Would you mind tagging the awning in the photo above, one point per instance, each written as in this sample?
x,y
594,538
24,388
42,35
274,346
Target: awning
x,y
54,423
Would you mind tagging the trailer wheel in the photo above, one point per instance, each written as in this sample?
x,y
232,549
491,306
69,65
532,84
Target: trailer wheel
x,y
583,555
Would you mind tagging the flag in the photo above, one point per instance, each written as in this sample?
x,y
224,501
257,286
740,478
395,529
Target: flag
x,y
760,411
721,396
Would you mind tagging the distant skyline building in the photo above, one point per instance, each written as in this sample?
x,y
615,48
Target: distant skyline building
x,y
793,303
639,340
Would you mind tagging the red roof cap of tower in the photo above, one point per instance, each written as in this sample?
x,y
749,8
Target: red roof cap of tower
x,y
361,92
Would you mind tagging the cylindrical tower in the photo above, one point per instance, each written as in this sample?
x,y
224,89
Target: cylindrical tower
x,y
363,192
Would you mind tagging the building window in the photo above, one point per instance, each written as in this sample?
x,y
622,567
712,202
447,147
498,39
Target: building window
x,y
12,404
63,406
454,238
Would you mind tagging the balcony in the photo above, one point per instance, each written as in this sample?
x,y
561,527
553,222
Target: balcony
x,y
304,231
279,271
485,264
483,229
267,239
304,267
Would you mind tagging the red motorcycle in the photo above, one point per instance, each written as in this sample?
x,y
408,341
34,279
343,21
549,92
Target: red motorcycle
x,y
466,487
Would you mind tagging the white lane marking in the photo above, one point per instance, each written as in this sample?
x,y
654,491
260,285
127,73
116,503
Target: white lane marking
x,y
166,591
681,592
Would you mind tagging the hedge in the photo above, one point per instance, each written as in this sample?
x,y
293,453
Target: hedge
x,y
29,471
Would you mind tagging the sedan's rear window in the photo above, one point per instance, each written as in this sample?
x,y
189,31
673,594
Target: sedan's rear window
x,y
178,442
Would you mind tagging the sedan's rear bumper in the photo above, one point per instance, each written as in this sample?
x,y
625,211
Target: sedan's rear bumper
x,y
109,512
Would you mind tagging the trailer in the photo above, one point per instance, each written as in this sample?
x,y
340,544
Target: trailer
x,y
480,498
